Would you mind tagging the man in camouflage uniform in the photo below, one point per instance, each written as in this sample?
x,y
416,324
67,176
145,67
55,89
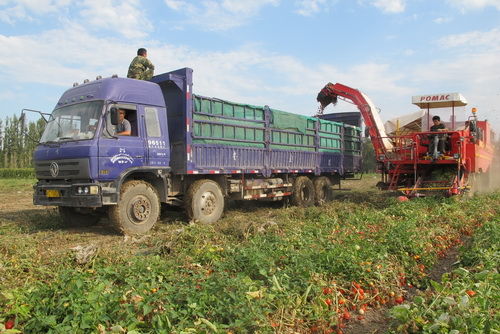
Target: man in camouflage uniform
x,y
141,67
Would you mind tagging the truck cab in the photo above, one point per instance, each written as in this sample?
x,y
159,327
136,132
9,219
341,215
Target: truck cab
x,y
81,159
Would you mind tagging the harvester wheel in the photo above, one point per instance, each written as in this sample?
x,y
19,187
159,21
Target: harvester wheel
x,y
322,190
303,192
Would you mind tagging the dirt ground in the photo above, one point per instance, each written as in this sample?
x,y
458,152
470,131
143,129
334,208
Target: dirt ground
x,y
45,227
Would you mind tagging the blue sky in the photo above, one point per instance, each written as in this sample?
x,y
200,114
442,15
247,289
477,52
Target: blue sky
x,y
274,52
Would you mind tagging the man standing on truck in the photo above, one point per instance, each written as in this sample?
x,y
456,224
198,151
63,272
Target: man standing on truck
x,y
141,67
123,127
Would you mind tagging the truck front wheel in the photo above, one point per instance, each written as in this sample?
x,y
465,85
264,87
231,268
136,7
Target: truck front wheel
x,y
204,201
138,208
323,190
303,192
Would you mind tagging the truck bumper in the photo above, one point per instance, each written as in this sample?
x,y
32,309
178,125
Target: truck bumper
x,y
82,195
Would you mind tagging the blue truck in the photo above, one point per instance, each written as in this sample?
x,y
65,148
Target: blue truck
x,y
183,149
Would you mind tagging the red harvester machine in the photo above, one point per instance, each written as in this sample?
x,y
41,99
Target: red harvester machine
x,y
406,162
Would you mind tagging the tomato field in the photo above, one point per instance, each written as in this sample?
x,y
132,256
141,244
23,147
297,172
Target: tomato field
x,y
363,261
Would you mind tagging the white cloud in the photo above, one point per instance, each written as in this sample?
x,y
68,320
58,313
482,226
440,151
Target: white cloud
x,y
465,5
409,52
60,57
477,77
487,39
390,6
252,75
309,7
12,14
176,4
471,69
220,14
8,95
39,6
441,20
24,10
122,16
247,74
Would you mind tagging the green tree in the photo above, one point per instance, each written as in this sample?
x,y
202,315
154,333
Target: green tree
x,y
369,162
18,140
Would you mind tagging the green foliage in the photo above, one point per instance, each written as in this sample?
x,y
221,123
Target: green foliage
x,y
17,173
18,140
368,155
256,271
466,299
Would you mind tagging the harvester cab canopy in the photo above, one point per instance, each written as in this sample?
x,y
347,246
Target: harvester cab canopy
x,y
446,100
434,101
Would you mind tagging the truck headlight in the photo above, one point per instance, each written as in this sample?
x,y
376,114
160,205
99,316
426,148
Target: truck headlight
x,y
87,190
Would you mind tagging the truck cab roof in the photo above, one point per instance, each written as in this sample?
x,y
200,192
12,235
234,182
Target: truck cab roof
x,y
114,89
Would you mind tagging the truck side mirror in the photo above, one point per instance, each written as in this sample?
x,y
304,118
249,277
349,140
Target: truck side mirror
x,y
113,115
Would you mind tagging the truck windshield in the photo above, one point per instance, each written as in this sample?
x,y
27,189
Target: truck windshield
x,y
74,122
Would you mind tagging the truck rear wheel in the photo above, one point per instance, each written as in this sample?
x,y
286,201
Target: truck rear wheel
x,y
205,201
303,192
71,217
138,208
322,190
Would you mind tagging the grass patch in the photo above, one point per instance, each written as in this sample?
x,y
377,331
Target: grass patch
x,y
261,269
21,184
23,173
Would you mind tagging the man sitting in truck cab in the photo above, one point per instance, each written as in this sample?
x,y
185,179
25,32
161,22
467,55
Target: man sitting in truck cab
x,y
123,127
438,141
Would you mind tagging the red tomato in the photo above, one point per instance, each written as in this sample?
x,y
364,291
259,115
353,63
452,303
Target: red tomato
x,y
399,299
346,315
470,293
9,324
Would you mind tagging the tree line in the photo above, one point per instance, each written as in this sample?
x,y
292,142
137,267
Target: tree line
x,y
18,139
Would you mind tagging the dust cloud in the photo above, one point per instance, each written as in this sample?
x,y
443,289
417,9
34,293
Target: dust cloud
x,y
490,181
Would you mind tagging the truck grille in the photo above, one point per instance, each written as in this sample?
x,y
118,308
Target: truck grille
x,y
62,169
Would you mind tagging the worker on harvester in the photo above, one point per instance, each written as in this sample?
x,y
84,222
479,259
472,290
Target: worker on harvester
x,y
438,141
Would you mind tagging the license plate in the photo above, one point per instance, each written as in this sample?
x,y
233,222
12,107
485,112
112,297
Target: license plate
x,y
53,193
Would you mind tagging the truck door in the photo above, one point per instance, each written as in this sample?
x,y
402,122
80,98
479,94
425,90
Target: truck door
x,y
118,153
157,144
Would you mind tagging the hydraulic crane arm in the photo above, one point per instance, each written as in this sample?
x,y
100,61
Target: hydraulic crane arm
x,y
331,92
